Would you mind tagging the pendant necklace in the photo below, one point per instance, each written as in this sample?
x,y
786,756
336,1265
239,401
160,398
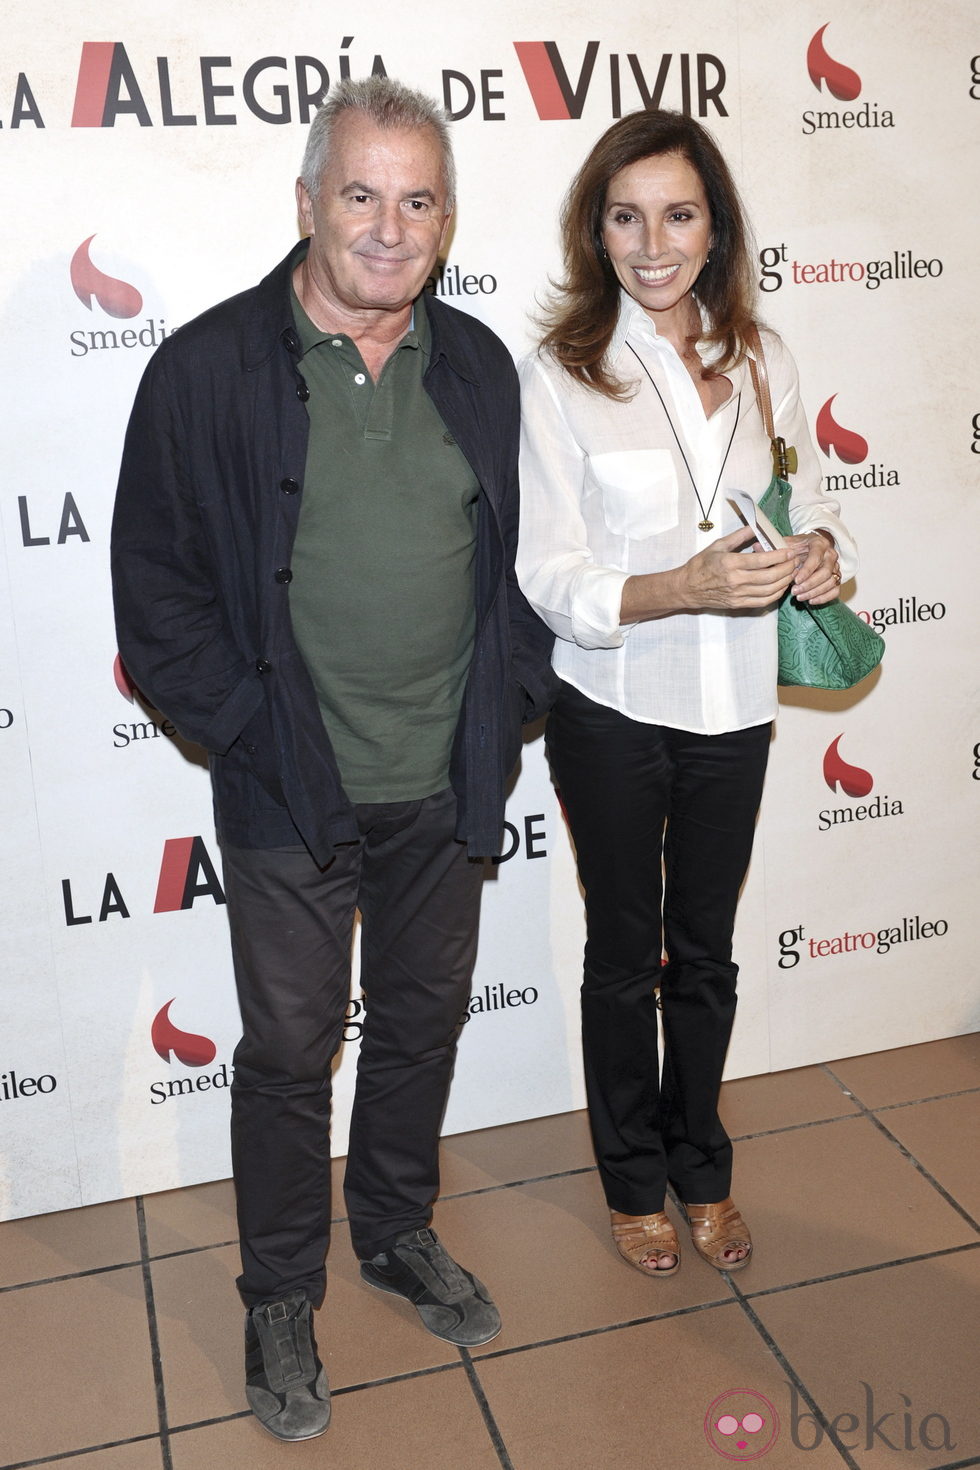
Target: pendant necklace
x,y
705,523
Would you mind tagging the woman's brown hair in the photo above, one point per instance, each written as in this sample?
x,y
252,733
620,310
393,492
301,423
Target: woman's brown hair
x,y
583,316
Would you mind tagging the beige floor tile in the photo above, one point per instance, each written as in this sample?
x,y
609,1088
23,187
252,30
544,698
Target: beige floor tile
x,y
145,1454
199,1322
911,1072
904,1330
90,1333
832,1197
429,1423
781,1099
546,1254
639,1396
362,1334
943,1135
180,1219
60,1244
519,1151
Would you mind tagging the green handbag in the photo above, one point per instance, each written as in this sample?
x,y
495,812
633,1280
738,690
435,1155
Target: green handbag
x,y
827,647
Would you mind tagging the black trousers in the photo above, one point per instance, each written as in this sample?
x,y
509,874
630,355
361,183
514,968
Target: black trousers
x,y
663,822
292,928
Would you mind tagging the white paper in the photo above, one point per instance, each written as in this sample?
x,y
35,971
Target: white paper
x,y
766,534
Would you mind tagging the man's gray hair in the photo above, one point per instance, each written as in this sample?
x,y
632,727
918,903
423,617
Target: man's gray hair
x,y
387,103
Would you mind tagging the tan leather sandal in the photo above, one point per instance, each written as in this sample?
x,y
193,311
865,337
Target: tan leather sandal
x,y
638,1236
716,1229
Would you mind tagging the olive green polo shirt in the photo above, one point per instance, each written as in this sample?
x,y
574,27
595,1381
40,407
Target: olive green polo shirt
x,y
381,597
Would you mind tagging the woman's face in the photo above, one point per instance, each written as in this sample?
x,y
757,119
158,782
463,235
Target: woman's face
x,y
656,228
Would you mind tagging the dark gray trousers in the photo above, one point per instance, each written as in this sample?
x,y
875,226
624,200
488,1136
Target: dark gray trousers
x,y
292,926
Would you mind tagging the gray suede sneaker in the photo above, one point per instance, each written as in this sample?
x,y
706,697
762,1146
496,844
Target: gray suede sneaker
x,y
453,1304
285,1382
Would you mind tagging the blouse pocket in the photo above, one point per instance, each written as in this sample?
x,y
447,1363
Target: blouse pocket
x,y
639,491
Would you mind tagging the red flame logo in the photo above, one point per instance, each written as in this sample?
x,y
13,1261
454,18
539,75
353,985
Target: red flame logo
x,y
836,772
117,298
848,445
193,1051
844,83
124,683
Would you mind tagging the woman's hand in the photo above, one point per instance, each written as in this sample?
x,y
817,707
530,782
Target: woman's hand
x,y
817,577
723,576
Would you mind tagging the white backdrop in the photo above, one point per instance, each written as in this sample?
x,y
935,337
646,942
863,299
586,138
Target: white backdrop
x,y
148,173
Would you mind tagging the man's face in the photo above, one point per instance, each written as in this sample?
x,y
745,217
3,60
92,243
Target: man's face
x,y
380,217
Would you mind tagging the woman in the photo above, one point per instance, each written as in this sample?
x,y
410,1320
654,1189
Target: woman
x,y
640,421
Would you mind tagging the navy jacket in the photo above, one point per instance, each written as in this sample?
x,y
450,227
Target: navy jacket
x,y
205,518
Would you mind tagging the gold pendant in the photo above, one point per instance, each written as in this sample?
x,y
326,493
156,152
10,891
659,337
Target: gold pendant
x,y
706,525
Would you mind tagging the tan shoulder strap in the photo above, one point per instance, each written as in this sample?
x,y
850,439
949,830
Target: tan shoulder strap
x,y
784,459
760,378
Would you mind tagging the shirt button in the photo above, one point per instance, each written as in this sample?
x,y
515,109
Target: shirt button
x,y
302,392
283,574
359,378
263,666
288,486
337,342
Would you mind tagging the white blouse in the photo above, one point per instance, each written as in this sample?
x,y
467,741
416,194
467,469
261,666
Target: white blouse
x,y
605,495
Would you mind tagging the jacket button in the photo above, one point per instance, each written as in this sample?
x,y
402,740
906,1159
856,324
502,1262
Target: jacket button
x,y
250,749
263,666
302,392
290,340
288,486
283,574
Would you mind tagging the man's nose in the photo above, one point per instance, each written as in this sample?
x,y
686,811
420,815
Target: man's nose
x,y
388,226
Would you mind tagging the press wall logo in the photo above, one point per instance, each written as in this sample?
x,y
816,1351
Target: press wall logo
x,y
187,874
901,265
14,1086
115,298
844,84
797,943
189,1049
695,81
455,280
906,610
136,732
490,998
170,1043
122,86
856,783
838,441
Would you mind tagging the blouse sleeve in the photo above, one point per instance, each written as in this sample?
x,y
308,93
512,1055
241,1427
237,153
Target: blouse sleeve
x,y
811,509
578,600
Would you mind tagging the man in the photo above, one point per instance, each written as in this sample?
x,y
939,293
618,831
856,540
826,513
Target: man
x,y
313,550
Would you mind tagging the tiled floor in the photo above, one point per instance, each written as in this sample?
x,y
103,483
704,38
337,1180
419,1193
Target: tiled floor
x,y
857,1321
